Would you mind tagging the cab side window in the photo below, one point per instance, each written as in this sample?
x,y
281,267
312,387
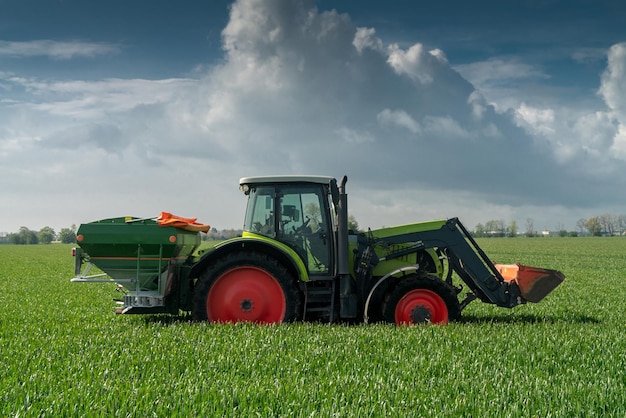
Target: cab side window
x,y
261,215
304,224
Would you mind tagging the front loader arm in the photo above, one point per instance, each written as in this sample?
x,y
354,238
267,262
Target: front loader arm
x,y
469,261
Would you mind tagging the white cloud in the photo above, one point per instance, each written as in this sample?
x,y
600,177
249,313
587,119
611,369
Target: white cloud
x,y
95,99
498,70
415,62
442,128
365,38
570,131
584,55
613,91
354,137
501,80
596,131
60,50
439,54
399,118
538,121
304,91
613,88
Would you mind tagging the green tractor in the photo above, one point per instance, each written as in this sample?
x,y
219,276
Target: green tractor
x,y
297,260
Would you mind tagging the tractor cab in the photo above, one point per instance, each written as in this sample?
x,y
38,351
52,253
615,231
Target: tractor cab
x,y
298,211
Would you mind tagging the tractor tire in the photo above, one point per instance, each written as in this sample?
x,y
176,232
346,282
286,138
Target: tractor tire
x,y
246,287
421,300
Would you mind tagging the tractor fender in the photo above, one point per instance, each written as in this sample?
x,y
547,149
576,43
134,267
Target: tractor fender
x,y
279,251
405,269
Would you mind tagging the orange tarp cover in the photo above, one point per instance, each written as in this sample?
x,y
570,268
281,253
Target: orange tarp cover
x,y
190,224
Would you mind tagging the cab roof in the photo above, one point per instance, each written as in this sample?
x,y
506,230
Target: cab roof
x,y
286,179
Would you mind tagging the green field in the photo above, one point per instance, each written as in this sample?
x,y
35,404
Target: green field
x,y
64,353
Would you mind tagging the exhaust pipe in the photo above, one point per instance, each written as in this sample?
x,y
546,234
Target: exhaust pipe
x,y
347,287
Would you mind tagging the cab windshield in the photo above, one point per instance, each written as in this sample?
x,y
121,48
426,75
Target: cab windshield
x,y
295,215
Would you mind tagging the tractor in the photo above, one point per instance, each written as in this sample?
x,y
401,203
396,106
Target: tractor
x,y
298,260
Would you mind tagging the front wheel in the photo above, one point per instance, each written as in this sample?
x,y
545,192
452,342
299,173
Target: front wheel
x,y
246,287
420,300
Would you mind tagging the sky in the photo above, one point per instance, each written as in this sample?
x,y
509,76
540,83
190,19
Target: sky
x,y
483,110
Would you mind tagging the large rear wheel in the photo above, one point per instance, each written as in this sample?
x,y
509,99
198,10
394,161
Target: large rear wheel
x,y
421,300
246,287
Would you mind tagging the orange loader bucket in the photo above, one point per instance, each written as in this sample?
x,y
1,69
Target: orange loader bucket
x,y
534,283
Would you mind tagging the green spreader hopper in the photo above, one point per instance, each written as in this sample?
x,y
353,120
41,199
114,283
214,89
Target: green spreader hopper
x,y
140,255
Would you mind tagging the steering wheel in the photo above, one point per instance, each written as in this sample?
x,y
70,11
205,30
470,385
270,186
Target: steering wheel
x,y
302,229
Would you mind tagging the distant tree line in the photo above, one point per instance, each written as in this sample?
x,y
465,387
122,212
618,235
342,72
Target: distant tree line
x,y
496,228
602,225
46,235
215,234
606,224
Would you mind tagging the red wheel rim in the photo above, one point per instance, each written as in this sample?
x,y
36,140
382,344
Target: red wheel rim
x,y
246,294
415,303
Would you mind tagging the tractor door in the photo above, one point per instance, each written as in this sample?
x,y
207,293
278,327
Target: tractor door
x,y
297,215
304,225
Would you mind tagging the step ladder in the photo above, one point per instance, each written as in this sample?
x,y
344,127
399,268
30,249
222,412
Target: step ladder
x,y
149,267
319,300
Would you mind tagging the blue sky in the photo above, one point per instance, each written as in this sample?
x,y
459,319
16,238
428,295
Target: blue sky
x,y
482,110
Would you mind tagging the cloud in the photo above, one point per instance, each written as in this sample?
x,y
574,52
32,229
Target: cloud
x,y
498,71
311,88
586,55
365,39
613,88
415,62
613,91
354,137
399,118
91,100
504,81
306,91
539,121
58,50
107,137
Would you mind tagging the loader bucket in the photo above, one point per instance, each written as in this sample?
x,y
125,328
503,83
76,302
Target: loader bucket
x,y
534,283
